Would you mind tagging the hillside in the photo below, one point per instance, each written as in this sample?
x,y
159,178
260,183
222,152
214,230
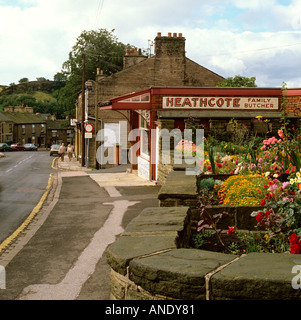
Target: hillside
x,y
41,95
31,86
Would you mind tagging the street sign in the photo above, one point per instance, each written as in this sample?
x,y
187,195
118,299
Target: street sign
x,y
88,135
89,127
73,122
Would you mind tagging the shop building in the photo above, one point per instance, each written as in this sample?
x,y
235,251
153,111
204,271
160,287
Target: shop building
x,y
157,108
169,66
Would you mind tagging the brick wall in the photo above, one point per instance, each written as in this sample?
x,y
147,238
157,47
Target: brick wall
x,y
294,105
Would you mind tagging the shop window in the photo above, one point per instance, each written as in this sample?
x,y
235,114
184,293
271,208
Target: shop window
x,y
144,138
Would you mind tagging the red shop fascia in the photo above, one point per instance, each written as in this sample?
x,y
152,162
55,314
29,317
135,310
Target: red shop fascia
x,y
146,108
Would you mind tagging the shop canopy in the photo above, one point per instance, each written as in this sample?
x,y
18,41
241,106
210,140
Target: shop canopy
x,y
147,100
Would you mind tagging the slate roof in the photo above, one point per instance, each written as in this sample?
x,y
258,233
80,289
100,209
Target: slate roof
x,y
4,118
22,118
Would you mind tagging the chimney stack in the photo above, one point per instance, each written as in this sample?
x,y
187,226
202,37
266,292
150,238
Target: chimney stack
x,y
132,57
171,45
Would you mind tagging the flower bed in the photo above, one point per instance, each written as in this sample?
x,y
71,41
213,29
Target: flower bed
x,y
250,169
277,223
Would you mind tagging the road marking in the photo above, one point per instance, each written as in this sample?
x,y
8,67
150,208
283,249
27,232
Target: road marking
x,y
20,162
113,192
69,288
36,209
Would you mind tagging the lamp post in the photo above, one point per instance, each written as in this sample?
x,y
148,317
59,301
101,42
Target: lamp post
x,y
89,84
83,113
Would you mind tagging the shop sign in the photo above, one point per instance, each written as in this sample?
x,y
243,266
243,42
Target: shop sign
x,y
233,103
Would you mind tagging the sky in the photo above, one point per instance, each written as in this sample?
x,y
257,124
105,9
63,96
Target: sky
x,y
252,38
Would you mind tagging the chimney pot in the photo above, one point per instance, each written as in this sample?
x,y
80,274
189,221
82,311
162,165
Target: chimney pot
x,y
169,34
159,34
180,35
174,35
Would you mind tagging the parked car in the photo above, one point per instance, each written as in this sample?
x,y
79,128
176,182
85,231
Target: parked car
x,y
5,147
17,147
30,147
54,150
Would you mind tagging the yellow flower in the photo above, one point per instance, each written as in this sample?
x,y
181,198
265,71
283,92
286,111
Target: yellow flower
x,y
267,238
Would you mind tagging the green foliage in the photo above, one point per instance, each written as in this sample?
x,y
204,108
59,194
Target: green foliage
x,y
23,80
207,184
238,81
199,239
41,102
102,50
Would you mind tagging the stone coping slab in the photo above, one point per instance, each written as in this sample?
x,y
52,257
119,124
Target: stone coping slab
x,y
178,184
179,273
149,262
258,276
154,230
158,219
126,248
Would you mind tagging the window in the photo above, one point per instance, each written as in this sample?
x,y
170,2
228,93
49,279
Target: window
x,y
23,129
33,128
142,98
144,138
10,128
42,128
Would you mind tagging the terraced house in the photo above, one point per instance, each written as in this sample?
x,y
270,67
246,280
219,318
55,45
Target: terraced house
x,y
21,125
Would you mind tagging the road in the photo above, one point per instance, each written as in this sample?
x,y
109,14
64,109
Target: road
x,y
24,177
62,255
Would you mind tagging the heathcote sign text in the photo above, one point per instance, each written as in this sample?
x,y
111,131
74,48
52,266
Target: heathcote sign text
x,y
237,103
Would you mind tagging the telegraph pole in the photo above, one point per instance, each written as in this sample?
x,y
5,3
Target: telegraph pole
x,y
83,146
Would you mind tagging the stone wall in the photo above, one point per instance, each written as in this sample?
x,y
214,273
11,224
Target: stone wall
x,y
151,260
168,67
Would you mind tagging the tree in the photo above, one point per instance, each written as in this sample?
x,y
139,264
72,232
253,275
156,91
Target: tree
x,y
238,81
23,80
102,50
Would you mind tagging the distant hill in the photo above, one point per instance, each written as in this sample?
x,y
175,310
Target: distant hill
x,y
47,86
41,95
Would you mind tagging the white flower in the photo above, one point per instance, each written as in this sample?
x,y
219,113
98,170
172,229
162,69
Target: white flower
x,y
267,173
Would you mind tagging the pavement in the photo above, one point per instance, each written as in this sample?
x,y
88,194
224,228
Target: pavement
x,y
60,254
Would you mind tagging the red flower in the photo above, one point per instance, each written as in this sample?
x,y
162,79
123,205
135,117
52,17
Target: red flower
x,y
265,186
219,165
293,238
259,216
295,248
262,203
268,213
231,231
